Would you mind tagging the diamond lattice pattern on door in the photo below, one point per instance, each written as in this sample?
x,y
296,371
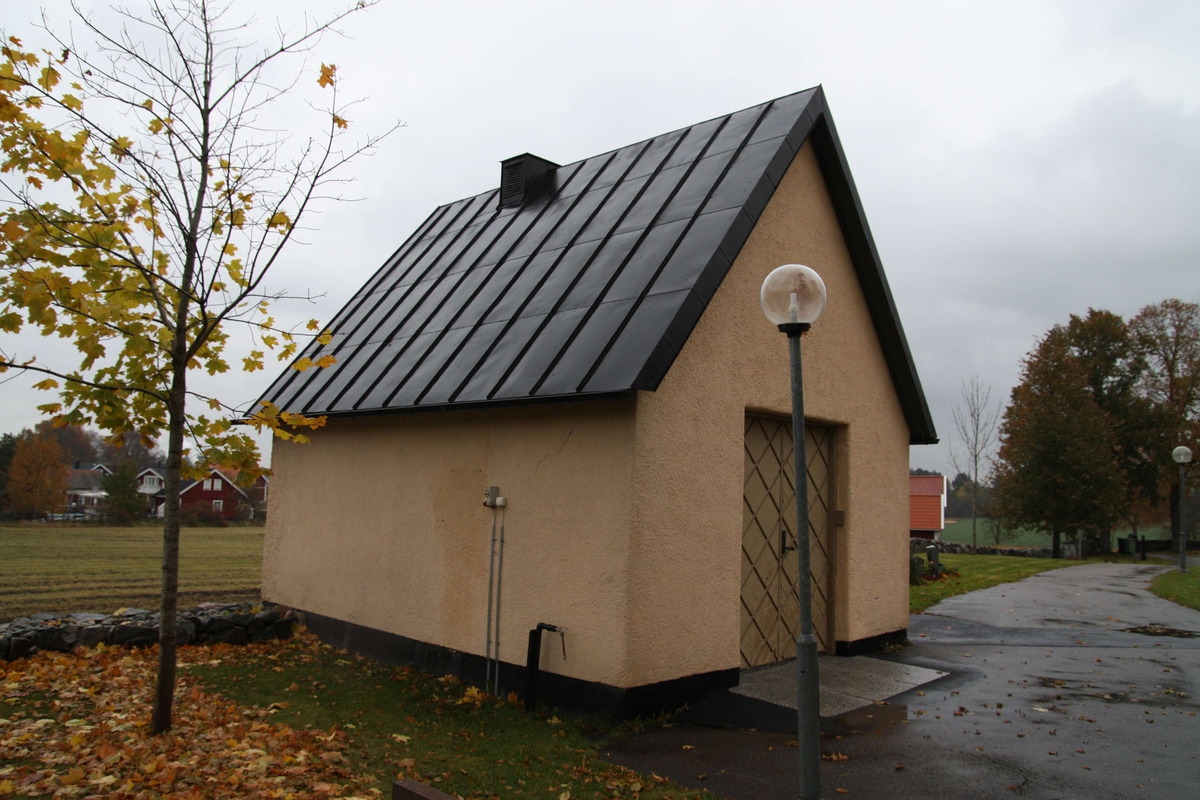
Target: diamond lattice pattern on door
x,y
770,592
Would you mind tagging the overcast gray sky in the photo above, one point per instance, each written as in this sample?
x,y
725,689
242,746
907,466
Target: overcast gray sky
x,y
1018,162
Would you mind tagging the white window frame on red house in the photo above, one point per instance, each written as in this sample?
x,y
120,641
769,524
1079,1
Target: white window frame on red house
x,y
218,505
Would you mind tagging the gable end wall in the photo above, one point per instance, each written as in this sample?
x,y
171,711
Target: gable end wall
x,y
688,450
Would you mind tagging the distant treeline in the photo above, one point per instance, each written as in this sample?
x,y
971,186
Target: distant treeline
x,y
35,465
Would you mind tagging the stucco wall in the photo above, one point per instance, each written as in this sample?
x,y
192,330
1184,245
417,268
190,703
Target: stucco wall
x,y
688,449
624,523
380,521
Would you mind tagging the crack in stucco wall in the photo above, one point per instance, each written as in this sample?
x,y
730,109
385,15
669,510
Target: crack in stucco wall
x,y
561,445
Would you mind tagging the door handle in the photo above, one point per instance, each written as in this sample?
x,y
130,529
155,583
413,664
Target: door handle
x,y
783,545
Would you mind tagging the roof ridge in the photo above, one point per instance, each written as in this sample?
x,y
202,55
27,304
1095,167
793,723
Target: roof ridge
x,y
814,88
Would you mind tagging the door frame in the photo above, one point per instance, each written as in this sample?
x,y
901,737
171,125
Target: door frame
x,y
831,527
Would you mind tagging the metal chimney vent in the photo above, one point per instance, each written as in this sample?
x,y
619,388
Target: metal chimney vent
x,y
524,178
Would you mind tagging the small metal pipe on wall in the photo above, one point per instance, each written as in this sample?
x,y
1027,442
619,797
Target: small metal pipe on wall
x,y
493,500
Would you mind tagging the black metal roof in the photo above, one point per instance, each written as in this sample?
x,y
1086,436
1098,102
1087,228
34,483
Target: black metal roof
x,y
591,287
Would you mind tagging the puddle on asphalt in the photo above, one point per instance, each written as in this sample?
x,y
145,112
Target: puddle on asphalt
x,y
1161,630
866,719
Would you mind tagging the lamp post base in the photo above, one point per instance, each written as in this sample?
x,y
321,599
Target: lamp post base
x,y
808,717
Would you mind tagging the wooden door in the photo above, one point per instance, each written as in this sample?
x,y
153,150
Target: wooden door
x,y
770,591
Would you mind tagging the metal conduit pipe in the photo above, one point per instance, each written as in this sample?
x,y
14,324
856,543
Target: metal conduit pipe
x,y
501,502
487,653
491,652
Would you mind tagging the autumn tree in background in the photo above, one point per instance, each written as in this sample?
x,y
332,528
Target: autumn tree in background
x,y
130,448
149,194
976,420
37,477
1168,338
76,443
1115,367
1055,470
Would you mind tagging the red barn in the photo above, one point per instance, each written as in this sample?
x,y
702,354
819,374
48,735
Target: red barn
x,y
927,506
216,494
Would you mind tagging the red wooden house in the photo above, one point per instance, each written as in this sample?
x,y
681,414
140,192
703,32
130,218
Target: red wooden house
x,y
927,506
216,493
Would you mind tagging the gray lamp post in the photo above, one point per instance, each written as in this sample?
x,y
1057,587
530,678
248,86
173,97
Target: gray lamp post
x,y
1183,457
792,297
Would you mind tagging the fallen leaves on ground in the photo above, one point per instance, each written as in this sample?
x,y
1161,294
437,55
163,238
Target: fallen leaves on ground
x,y
81,728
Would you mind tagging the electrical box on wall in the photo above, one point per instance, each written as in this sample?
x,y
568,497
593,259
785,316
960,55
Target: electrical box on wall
x,y
491,496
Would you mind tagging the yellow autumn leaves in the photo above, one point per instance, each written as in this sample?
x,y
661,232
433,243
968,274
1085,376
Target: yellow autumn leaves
x,y
78,729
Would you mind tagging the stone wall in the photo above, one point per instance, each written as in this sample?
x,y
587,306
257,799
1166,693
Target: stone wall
x,y
208,623
919,545
1068,550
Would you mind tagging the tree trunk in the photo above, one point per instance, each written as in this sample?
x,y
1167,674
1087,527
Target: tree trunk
x,y
164,693
1056,545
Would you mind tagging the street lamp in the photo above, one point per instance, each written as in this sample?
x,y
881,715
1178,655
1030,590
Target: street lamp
x,y
792,297
1183,457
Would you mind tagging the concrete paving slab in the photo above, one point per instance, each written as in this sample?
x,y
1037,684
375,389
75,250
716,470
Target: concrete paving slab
x,y
846,683
841,671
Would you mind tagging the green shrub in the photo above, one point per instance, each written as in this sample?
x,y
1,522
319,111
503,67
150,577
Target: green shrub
x,y
918,569
202,518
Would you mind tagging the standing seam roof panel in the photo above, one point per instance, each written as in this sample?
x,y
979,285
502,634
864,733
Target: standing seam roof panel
x,y
592,287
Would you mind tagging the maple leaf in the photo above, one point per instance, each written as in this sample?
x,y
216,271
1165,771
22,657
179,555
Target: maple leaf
x,y
280,221
326,78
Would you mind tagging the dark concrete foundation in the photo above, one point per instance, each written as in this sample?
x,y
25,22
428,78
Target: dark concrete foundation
x,y
553,689
872,644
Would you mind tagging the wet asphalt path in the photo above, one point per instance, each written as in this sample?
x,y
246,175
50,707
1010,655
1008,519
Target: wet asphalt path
x,y
1050,695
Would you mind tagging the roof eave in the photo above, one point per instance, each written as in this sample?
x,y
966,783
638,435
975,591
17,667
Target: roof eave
x,y
816,125
557,399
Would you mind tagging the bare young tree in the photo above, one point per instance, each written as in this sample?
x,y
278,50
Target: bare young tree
x,y
151,186
976,421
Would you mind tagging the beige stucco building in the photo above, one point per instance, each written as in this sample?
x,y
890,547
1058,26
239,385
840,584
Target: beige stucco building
x,y
588,339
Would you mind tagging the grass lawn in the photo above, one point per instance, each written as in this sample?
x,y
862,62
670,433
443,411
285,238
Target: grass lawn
x,y
1179,587
981,572
76,568
959,530
294,718
435,729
